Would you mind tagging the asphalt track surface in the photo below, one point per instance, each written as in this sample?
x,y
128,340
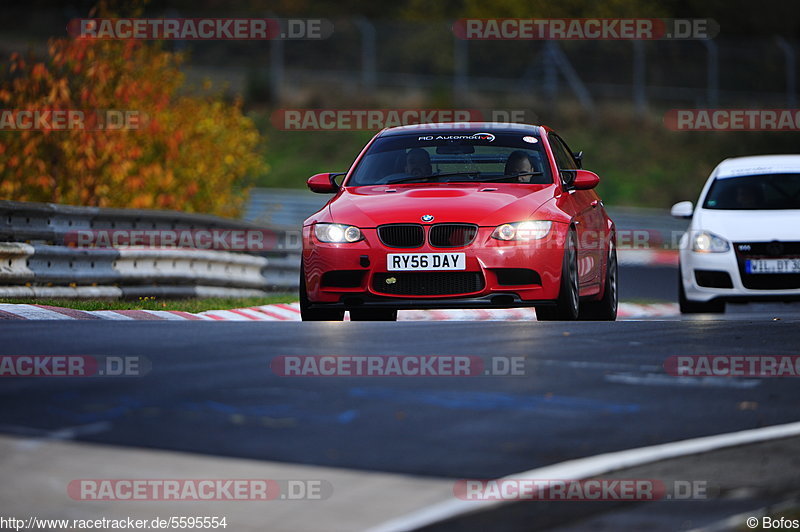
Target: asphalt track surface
x,y
588,388
648,283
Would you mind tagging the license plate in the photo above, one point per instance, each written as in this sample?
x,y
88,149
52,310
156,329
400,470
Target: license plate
x,y
773,266
403,262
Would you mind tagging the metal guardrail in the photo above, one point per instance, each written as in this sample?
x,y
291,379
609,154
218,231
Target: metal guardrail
x,y
38,259
49,222
282,207
63,265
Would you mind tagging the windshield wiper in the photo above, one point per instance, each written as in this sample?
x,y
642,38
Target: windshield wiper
x,y
426,177
501,178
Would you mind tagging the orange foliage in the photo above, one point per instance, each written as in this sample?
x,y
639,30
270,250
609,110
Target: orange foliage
x,y
192,153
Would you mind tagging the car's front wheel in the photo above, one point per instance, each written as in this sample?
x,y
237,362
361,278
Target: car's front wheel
x,y
314,314
568,302
687,306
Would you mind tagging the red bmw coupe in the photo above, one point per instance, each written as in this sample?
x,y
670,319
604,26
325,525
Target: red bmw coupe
x,y
460,215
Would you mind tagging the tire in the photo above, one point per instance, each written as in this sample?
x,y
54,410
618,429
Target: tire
x,y
378,314
568,303
309,314
606,308
714,306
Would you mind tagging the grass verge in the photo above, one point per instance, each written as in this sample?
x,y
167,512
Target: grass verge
x,y
150,303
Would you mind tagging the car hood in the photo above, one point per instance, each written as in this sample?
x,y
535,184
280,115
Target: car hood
x,y
755,226
485,204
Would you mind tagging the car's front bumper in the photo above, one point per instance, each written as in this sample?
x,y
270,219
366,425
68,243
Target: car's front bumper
x,y
730,264
485,257
497,300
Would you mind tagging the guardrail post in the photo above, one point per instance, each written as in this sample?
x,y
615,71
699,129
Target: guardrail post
x,y
791,71
461,69
639,79
368,74
712,96
276,69
550,81
560,60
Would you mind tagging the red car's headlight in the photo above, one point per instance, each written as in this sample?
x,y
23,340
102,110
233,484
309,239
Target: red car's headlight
x,y
338,233
531,230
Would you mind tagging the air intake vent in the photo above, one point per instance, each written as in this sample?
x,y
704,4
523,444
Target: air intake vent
x,y
402,235
452,235
427,283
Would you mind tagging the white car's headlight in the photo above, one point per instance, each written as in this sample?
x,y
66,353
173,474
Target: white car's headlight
x,y
338,233
705,242
532,230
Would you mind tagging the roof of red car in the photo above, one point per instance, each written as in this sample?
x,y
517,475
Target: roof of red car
x,y
449,127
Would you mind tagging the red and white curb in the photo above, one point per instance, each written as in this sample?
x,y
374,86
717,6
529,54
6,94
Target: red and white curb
x,y
291,312
648,257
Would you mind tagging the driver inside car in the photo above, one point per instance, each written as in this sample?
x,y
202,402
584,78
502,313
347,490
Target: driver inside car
x,y
418,163
519,164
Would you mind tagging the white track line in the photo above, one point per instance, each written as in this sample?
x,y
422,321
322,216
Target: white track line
x,y
583,468
661,379
64,433
34,437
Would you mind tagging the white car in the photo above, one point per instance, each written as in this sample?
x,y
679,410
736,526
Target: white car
x,y
743,243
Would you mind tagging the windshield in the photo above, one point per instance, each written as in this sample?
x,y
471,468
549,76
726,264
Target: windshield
x,y
453,157
755,192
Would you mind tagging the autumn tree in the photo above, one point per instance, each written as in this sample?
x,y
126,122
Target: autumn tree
x,y
193,153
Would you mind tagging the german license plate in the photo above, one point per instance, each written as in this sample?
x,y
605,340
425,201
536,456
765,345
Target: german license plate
x,y
773,266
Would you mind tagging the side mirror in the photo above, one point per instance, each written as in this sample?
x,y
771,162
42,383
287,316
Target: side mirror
x,y
323,183
683,209
578,158
584,180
